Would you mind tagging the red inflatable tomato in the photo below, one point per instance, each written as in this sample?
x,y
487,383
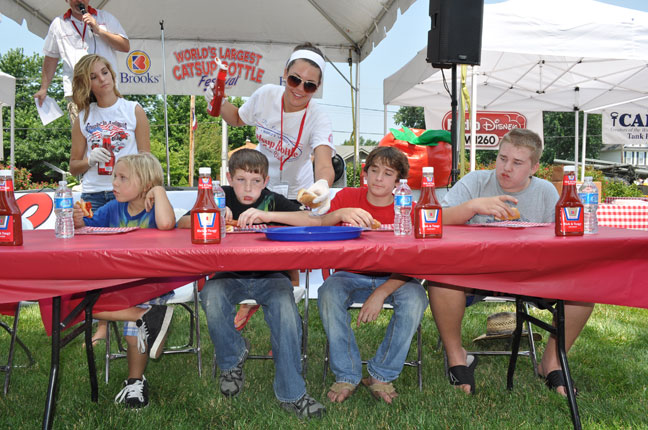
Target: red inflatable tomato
x,y
423,148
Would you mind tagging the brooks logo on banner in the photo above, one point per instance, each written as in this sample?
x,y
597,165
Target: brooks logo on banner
x,y
4,222
206,220
138,62
572,214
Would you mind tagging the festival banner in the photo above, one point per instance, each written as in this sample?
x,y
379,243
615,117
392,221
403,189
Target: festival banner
x,y
191,66
491,125
625,127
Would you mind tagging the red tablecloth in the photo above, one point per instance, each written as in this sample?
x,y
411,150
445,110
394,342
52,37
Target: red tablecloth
x,y
609,267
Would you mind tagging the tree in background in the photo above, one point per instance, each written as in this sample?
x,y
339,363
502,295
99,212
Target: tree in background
x,y
410,116
33,142
559,136
361,142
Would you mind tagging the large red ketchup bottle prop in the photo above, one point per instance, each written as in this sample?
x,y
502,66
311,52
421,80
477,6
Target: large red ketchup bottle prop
x,y
569,209
10,222
428,213
205,215
219,93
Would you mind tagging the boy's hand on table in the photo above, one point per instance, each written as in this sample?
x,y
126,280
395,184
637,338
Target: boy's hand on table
x,y
254,216
498,206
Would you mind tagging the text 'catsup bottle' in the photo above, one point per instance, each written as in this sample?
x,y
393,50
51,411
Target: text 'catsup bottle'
x,y
569,209
205,215
428,215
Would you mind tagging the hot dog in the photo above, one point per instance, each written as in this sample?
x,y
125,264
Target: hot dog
x,y
375,224
306,198
516,215
86,207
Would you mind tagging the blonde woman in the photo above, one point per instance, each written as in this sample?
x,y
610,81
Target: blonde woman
x,y
102,109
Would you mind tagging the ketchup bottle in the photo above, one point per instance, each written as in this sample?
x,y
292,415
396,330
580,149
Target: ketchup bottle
x,y
106,168
10,221
428,213
205,215
219,93
569,209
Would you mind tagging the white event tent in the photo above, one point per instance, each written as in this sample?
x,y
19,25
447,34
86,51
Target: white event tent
x,y
550,55
7,98
346,31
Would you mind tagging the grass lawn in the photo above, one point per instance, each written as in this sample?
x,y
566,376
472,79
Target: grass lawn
x,y
609,364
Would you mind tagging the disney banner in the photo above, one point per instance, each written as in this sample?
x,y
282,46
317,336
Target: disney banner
x,y
626,127
491,125
191,66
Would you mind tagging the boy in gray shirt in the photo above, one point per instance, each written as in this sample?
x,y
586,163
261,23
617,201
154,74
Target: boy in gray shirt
x,y
482,196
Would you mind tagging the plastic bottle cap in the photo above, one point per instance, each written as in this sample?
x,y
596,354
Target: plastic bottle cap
x,y
569,169
216,182
588,178
403,181
428,170
204,171
62,182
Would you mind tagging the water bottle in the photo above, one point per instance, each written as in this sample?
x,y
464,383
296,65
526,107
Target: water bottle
x,y
588,194
402,209
219,198
64,225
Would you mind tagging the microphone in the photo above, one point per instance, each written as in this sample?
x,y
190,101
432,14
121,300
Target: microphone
x,y
82,9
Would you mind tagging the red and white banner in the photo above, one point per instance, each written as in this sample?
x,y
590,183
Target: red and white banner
x,y
491,125
191,66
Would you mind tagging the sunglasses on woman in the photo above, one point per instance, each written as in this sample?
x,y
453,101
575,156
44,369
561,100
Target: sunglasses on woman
x,y
309,86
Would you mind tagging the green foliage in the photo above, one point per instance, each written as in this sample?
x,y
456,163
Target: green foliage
x,y
559,136
353,175
361,142
23,180
410,116
34,143
617,188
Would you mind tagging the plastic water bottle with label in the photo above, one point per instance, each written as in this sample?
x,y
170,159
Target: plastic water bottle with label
x,y
402,209
219,198
64,224
588,193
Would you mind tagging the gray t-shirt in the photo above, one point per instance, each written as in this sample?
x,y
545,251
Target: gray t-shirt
x,y
536,203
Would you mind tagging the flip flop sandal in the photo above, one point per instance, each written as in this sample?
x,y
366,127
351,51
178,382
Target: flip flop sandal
x,y
464,375
243,321
556,379
375,389
338,387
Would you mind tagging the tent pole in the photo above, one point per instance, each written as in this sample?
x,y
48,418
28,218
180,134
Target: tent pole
x,y
224,144
576,125
384,120
473,119
11,136
356,150
454,129
584,143
166,113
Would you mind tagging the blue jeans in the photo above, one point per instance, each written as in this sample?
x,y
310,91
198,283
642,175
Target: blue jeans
x,y
98,199
341,290
274,292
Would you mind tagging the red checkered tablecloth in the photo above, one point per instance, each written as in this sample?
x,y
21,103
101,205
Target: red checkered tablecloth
x,y
622,216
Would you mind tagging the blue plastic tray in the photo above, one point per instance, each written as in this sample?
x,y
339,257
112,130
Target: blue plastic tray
x,y
310,234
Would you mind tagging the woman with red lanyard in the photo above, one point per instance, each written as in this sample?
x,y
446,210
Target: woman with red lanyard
x,y
290,127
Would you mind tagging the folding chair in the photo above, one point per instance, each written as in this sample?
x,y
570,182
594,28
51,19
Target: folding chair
x,y
531,352
300,293
13,309
411,363
187,298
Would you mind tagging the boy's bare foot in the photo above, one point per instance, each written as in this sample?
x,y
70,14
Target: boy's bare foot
x,y
380,390
340,391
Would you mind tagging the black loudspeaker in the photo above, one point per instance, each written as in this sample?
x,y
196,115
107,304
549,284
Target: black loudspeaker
x,y
456,32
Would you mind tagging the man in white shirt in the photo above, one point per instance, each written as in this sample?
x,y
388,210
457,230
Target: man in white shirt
x,y
80,31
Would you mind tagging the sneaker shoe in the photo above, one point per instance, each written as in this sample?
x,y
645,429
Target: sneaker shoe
x,y
134,394
153,329
231,382
306,407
